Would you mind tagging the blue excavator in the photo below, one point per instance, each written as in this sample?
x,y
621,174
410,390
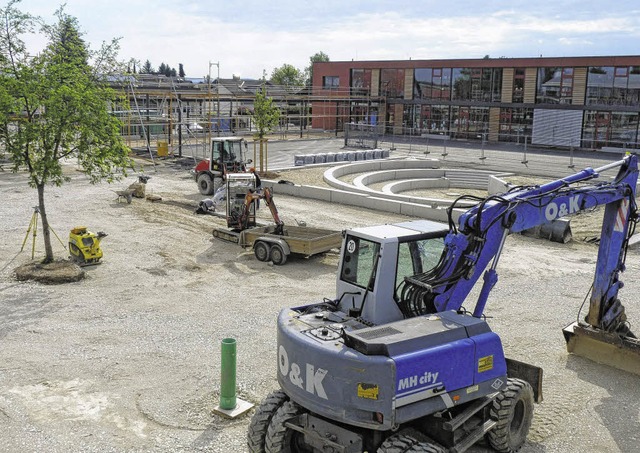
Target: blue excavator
x,y
395,363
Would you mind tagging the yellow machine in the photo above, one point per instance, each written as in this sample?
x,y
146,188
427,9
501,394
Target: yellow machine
x,y
84,246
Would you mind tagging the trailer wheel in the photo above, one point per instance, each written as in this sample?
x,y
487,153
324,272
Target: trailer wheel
x,y
261,251
281,439
409,441
205,184
277,255
261,419
513,410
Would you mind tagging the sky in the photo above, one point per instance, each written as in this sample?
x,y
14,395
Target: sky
x,y
250,38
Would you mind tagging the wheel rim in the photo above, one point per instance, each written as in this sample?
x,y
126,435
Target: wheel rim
x,y
261,251
276,254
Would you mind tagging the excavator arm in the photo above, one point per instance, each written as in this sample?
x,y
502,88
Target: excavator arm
x,y
252,196
477,241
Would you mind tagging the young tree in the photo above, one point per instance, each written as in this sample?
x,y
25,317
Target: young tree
x,y
288,75
265,117
54,105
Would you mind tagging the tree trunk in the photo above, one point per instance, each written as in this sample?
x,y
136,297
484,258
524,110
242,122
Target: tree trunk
x,y
46,231
261,155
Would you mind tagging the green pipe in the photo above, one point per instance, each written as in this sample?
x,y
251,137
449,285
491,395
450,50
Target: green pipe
x,y
228,374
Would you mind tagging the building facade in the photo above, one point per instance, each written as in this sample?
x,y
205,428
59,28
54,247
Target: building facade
x,y
581,102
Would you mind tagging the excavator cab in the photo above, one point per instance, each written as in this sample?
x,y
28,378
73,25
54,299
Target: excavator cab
x,y
240,216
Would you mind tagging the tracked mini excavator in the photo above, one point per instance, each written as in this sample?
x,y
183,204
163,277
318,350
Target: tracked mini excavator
x,y
394,363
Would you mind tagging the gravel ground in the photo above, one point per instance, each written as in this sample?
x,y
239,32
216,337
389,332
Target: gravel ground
x,y
127,360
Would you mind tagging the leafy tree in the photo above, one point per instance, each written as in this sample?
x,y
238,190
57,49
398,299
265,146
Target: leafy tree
x,y
181,71
265,117
317,57
54,106
288,75
147,68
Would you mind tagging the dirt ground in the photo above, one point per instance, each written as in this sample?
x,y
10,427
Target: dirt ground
x,y
127,360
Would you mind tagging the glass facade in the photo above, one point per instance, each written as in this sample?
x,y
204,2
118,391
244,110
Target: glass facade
x,y
477,84
604,128
361,82
392,83
599,105
555,86
613,85
432,83
515,124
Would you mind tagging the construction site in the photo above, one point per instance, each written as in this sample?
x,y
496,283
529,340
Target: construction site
x,y
129,358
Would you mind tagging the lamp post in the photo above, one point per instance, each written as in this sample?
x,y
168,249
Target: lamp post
x,y
217,64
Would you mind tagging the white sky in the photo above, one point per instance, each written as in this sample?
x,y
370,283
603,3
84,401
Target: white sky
x,y
251,36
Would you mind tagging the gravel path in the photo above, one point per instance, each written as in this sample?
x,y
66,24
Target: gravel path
x,y
127,360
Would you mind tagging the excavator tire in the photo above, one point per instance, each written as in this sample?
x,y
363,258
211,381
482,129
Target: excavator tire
x,y
261,250
278,257
281,439
513,410
409,441
262,418
205,184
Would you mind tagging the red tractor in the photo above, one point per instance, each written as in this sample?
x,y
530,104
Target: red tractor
x,y
227,156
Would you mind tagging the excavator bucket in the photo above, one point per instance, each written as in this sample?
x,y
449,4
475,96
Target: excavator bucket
x,y
606,348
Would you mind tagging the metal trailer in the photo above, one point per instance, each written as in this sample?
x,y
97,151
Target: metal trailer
x,y
268,246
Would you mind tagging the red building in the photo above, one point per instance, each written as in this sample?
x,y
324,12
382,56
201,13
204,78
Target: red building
x,y
587,102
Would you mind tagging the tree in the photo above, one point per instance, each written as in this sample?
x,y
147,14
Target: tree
x,y
265,117
181,73
288,75
147,68
54,106
316,58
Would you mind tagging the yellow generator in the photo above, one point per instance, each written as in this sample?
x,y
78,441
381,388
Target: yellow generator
x,y
84,246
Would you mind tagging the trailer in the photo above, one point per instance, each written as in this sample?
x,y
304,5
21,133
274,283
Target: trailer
x,y
269,246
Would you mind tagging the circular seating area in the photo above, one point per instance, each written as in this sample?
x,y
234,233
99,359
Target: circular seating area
x,y
398,176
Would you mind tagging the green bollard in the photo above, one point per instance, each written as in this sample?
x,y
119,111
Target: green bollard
x,y
228,375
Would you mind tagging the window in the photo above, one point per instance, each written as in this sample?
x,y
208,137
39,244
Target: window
x,y
555,85
392,83
518,86
477,84
330,82
359,262
417,257
432,83
360,81
613,85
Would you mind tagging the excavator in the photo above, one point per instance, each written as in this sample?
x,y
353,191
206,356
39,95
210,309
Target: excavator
x,y
396,363
241,208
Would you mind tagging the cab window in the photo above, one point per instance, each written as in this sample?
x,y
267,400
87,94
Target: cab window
x,y
417,257
359,259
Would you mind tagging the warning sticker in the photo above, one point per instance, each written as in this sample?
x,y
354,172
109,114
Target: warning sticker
x,y
485,364
369,391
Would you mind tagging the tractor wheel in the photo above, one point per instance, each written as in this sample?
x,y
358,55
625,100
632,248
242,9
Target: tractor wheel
x,y
409,441
261,420
205,184
281,439
261,251
513,410
277,255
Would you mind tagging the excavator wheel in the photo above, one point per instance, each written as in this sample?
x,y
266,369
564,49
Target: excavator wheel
x,y
513,410
261,250
261,419
409,441
277,255
280,438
